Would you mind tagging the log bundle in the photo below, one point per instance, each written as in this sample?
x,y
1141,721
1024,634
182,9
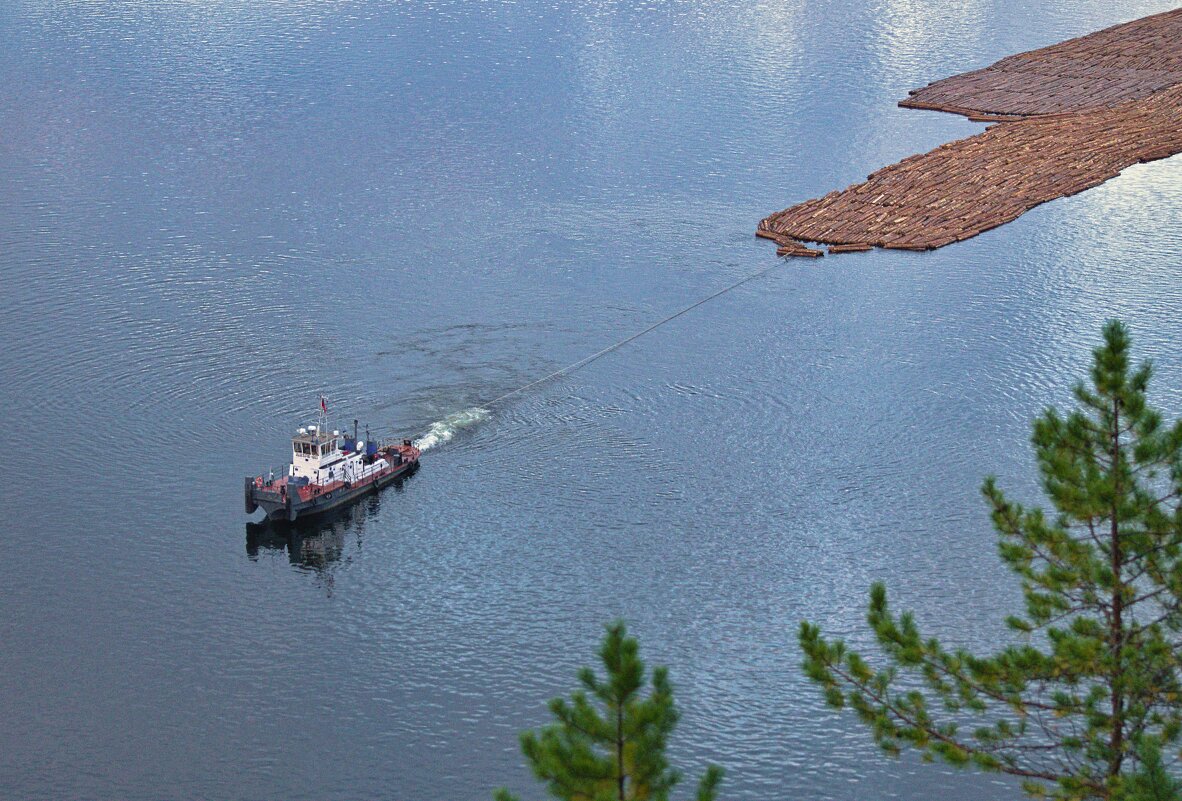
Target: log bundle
x,y
1076,114
1124,62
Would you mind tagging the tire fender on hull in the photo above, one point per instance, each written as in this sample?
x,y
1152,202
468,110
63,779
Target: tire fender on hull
x,y
250,504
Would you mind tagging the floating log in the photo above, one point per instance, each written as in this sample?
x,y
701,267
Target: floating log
x,y
797,249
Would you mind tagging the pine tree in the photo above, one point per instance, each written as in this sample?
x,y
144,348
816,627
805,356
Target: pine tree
x,y
1094,669
608,743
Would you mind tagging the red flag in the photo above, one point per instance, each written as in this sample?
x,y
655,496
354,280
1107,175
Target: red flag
x,y
323,406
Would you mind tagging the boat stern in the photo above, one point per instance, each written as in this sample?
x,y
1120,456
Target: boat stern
x,y
273,498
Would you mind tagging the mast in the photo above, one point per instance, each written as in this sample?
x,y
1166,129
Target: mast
x,y
322,419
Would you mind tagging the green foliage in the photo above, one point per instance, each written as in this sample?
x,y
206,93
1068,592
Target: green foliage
x,y
1151,781
1096,668
608,741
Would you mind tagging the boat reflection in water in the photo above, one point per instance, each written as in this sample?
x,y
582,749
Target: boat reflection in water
x,y
314,544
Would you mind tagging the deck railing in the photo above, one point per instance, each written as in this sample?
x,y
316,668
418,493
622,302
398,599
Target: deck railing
x,y
273,474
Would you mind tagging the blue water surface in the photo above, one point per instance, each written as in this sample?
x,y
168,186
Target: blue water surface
x,y
213,212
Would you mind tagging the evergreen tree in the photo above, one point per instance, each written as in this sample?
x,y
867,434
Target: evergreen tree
x,y
608,743
1095,670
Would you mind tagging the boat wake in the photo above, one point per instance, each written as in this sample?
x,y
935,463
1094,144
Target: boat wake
x,y
443,430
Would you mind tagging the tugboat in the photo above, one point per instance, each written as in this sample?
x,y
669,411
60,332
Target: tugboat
x,y
327,471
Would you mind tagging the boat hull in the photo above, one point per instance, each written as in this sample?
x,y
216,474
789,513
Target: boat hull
x,y
279,504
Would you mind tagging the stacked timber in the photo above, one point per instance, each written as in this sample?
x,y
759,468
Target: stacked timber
x,y
1072,116
1124,62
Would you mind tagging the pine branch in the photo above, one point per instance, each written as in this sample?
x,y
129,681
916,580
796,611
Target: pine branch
x,y
883,701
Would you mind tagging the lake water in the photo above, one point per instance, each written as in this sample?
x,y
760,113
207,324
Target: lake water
x,y
212,212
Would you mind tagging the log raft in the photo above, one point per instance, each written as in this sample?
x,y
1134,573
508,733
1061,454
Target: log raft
x,y
1067,117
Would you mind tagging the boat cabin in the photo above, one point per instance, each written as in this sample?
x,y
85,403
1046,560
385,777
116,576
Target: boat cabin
x,y
314,453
